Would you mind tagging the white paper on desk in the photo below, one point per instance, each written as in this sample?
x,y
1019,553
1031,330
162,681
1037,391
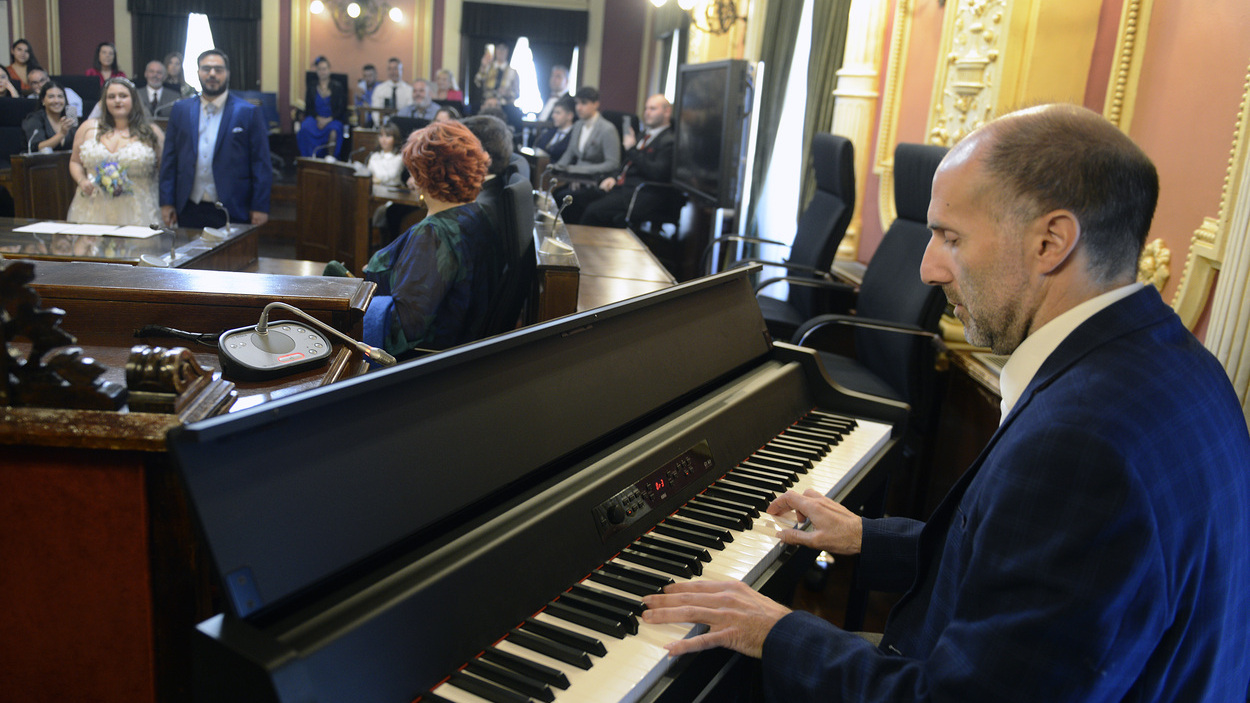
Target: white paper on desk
x,y
41,228
89,230
134,232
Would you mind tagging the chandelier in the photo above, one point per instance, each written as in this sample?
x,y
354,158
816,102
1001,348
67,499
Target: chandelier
x,y
360,17
717,16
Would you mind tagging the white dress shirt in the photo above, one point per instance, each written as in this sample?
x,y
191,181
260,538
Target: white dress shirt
x,y
385,90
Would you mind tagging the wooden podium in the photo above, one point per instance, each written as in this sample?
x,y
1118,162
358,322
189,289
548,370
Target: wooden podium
x,y
103,575
332,212
42,187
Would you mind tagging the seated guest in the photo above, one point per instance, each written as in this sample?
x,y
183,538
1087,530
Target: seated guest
x,y
326,106
174,77
594,149
39,78
7,89
447,113
445,87
435,281
104,65
555,139
21,62
393,92
387,163
51,127
558,85
422,105
364,94
648,159
495,138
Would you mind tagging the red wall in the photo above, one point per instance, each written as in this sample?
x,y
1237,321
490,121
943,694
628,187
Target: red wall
x,y
84,24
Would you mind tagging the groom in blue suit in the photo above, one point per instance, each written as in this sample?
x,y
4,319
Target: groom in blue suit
x,y
1099,547
216,150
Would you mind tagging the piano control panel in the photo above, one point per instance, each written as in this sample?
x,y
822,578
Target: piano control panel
x,y
648,494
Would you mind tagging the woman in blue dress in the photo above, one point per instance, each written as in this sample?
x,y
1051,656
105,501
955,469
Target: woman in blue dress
x,y
325,105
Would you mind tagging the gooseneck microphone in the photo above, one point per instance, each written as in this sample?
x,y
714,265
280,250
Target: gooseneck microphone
x,y
568,200
269,350
30,149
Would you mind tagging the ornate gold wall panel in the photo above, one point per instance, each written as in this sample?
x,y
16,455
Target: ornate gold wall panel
x,y
1129,49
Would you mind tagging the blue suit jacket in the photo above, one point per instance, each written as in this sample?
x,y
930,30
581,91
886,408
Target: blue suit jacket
x,y
241,169
1097,550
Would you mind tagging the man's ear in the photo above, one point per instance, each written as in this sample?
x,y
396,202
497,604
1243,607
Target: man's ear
x,y
1056,239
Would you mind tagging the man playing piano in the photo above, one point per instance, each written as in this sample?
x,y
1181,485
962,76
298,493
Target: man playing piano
x,y
1098,549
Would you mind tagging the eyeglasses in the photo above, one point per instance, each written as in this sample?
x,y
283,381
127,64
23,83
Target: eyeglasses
x,y
212,69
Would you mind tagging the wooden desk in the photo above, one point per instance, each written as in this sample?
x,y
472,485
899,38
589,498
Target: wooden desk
x,y
42,186
332,212
607,265
103,573
191,250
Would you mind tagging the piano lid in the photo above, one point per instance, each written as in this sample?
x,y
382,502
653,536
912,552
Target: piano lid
x,y
293,492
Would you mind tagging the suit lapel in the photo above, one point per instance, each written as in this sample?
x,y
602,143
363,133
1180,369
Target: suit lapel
x,y
223,127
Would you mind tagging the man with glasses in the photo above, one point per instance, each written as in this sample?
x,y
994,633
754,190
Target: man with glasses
x,y
38,78
216,151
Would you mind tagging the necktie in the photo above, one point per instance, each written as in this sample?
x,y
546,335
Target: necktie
x,y
394,95
620,180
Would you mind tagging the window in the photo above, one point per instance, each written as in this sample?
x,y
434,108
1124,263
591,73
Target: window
x,y
530,101
199,40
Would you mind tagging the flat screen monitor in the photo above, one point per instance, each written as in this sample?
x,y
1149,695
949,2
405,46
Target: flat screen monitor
x,y
712,112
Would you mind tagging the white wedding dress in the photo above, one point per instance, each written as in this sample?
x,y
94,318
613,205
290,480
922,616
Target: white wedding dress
x,y
138,206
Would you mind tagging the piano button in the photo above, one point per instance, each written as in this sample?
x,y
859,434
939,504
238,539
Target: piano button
x,y
597,608
486,689
630,572
628,585
691,564
528,667
511,680
626,603
713,518
748,478
729,503
551,648
688,549
588,644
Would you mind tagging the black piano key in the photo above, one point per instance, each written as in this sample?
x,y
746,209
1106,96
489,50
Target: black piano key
x,y
850,422
688,536
534,670
556,650
827,435
789,478
702,528
734,512
803,443
564,636
756,499
787,448
486,689
779,461
658,563
729,504
511,680
605,625
630,572
631,605
750,478
689,550
622,583
712,518
610,612
432,697
691,564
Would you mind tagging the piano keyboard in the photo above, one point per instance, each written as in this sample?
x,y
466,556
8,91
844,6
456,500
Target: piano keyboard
x,y
589,644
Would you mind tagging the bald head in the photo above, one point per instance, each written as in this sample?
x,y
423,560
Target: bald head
x,y
1065,157
657,112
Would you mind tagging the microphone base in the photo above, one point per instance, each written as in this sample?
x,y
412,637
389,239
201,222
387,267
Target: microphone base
x,y
288,347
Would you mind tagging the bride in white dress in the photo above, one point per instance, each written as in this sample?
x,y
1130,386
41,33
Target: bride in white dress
x,y
114,162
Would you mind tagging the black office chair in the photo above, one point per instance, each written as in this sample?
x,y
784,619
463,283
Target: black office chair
x,y
894,335
517,220
820,230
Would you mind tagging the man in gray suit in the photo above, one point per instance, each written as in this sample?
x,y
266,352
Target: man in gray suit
x,y
155,96
594,145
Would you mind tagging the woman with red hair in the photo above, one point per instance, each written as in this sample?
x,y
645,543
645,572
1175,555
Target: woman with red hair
x,y
436,280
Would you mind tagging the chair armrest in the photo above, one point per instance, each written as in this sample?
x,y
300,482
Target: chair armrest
x,y
816,277
629,211
816,323
705,260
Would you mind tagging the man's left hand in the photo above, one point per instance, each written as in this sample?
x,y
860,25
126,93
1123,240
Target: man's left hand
x,y
259,218
607,184
738,617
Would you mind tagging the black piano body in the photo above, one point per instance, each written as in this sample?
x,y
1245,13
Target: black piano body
x,y
374,535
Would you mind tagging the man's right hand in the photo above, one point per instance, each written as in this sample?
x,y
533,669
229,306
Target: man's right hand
x,y
169,215
607,184
835,529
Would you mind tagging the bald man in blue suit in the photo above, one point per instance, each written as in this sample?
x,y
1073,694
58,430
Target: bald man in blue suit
x,y
1099,548
216,150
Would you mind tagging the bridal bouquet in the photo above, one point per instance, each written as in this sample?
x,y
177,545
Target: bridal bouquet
x,y
112,180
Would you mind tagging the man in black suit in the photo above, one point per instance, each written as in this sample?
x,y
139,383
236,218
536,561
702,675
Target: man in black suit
x,y
648,158
555,139
155,96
